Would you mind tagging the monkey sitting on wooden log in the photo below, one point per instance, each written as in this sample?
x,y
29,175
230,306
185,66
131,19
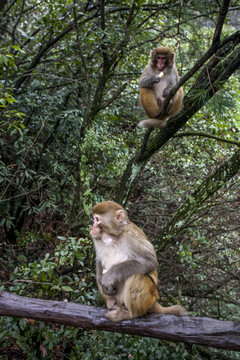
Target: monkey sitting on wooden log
x,y
126,265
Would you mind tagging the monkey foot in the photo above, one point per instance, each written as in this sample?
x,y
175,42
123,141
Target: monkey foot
x,y
117,314
111,304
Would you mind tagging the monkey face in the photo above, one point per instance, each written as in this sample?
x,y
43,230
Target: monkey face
x,y
109,223
161,62
109,218
161,57
96,227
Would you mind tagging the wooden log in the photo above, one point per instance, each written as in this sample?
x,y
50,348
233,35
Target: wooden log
x,y
187,329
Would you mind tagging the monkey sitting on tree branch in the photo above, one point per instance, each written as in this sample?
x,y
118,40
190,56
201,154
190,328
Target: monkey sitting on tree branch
x,y
155,84
126,266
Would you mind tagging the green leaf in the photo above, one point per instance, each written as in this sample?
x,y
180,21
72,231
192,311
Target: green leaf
x,y
67,288
3,59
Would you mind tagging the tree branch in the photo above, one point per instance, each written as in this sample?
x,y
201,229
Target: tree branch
x,y
190,330
207,135
204,191
220,21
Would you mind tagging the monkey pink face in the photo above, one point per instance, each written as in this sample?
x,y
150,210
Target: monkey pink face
x,y
161,62
96,227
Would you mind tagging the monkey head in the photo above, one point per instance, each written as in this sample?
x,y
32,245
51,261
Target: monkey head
x,y
108,218
161,57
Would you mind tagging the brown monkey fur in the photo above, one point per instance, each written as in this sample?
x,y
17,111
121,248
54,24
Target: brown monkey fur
x,y
155,83
126,265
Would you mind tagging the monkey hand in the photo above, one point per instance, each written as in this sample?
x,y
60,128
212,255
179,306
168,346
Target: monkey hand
x,y
155,79
149,81
166,92
109,283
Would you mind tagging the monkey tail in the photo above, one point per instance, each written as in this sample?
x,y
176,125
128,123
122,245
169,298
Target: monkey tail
x,y
152,123
174,310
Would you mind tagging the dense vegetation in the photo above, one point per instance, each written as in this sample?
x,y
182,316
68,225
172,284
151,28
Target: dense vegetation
x,y
69,139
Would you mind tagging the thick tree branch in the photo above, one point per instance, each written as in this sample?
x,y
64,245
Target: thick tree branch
x,y
187,329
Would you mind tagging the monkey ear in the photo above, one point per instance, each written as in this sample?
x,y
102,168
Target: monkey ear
x,y
119,216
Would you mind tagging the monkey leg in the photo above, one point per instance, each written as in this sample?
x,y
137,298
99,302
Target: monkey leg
x,y
176,103
139,293
153,107
110,301
150,103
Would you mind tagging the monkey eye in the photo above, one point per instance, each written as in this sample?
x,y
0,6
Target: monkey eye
x,y
160,57
96,218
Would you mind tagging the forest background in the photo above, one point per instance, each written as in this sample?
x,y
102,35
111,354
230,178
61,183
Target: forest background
x,y
69,139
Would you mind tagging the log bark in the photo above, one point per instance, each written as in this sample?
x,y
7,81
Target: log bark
x,y
187,329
